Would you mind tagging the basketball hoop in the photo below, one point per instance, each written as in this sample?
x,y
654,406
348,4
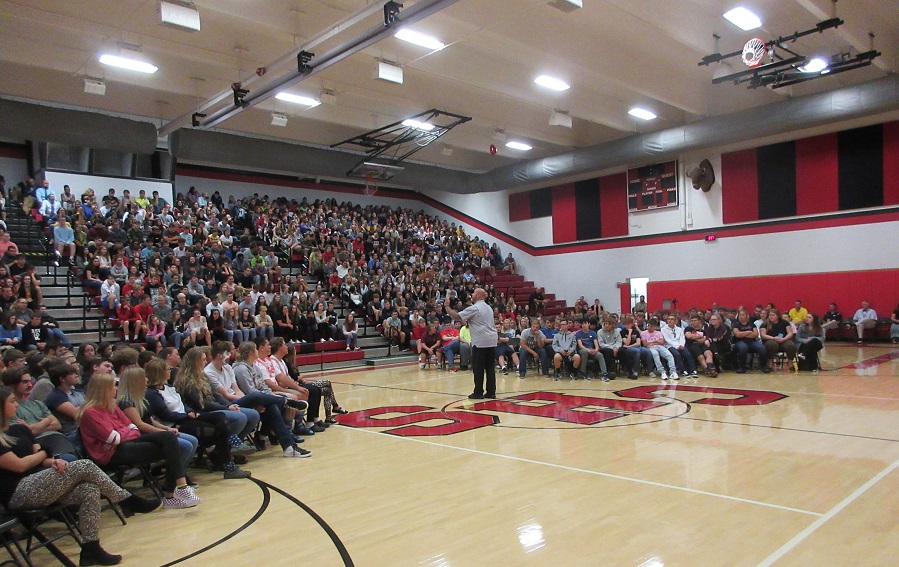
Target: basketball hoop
x,y
753,52
371,186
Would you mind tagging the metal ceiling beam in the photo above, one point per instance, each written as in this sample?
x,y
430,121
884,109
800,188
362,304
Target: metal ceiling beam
x,y
287,59
409,16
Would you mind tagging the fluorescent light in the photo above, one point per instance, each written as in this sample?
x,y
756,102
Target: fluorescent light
x,y
641,113
743,18
420,39
552,83
297,99
518,146
279,119
816,65
423,126
128,63
567,5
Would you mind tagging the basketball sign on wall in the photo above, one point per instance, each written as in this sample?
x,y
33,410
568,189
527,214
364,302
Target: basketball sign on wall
x,y
652,186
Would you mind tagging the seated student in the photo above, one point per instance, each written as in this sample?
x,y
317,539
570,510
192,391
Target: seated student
x,y
198,394
393,329
33,479
252,379
418,333
532,344
777,336
197,329
677,344
449,342
271,363
810,338
699,345
131,399
632,351
65,399
654,340
35,336
111,439
588,348
565,349
132,328
329,399
504,349
264,325
894,327
10,332
350,330
609,341
429,345
110,293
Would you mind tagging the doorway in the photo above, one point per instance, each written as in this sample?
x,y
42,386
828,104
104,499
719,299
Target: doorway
x,y
638,288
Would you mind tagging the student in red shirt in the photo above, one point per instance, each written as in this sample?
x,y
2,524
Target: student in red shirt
x,y
129,318
144,309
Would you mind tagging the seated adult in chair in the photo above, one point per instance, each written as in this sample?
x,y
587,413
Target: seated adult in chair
x,y
699,345
632,351
610,342
746,340
864,318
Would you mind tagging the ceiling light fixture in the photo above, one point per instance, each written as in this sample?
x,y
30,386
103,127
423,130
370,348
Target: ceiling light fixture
x,y
566,5
420,39
743,19
641,113
552,83
816,65
128,63
94,86
423,126
298,99
520,146
279,119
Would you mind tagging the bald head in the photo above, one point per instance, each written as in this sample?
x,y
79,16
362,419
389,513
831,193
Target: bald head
x,y
479,294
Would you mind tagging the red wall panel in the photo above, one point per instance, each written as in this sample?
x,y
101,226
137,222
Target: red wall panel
x,y
564,225
891,163
816,291
519,206
740,186
817,187
613,205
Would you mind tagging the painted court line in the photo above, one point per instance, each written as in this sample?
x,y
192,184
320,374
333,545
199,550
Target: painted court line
x,y
827,516
597,473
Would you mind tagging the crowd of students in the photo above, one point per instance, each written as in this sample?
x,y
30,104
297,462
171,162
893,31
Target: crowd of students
x,y
114,406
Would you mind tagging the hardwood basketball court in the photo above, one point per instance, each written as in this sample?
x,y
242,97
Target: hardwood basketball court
x,y
755,469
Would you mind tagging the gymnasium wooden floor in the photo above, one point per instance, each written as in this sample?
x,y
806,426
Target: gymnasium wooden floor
x,y
756,469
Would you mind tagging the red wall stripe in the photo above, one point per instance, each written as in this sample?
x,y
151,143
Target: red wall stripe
x,y
740,186
817,175
891,163
613,205
14,151
816,291
564,225
519,206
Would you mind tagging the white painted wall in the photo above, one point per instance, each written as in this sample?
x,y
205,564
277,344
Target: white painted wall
x,y
13,170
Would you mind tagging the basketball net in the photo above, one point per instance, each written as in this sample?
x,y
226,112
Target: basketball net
x,y
371,186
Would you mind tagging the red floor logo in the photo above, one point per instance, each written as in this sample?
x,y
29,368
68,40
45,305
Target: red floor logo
x,y
540,410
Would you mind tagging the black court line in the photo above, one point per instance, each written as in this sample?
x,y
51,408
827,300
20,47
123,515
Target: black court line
x,y
266,499
335,539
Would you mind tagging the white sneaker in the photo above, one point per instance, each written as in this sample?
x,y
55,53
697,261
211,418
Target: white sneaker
x,y
296,452
187,494
321,341
330,340
176,503
653,374
674,376
664,376
421,366
686,373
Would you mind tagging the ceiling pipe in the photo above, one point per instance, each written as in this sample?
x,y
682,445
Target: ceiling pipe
x,y
288,59
409,16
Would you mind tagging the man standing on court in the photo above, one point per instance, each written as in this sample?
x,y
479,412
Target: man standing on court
x,y
483,342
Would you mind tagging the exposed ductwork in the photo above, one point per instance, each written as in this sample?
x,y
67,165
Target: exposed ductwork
x,y
870,98
39,123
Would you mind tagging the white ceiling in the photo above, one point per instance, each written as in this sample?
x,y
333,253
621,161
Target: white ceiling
x,y
616,54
